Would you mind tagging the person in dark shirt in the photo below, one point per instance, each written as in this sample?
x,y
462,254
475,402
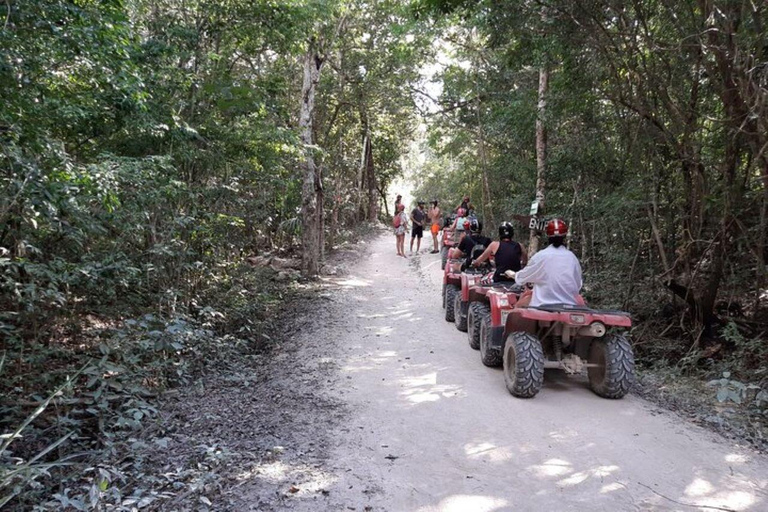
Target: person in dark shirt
x,y
464,204
418,218
508,254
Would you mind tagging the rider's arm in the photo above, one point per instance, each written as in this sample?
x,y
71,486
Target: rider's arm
x,y
490,251
523,255
533,273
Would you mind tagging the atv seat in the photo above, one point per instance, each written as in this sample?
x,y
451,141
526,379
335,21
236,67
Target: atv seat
x,y
509,286
570,308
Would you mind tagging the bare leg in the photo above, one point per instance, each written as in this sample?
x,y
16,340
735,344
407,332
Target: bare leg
x,y
418,244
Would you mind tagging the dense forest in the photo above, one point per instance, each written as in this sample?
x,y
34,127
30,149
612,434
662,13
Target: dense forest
x,y
149,148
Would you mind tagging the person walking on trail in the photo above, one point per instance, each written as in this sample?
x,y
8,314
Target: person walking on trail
x,y
434,217
418,217
508,254
398,200
554,272
400,223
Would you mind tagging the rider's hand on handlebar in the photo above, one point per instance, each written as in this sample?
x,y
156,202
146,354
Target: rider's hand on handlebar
x,y
510,274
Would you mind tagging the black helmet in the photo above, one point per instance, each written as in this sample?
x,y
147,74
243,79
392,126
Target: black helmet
x,y
506,230
476,225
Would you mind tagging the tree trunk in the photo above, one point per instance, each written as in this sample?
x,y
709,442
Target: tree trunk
x,y
486,188
312,188
370,177
541,153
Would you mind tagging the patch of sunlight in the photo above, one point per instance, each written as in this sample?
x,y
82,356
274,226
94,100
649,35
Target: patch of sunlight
x,y
581,476
475,448
699,487
615,486
603,471
563,435
552,467
354,282
736,458
274,472
466,502
736,500
487,451
376,315
428,379
387,353
574,479
432,394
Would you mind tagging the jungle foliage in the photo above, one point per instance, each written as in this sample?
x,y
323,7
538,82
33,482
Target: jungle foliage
x,y
657,137
147,149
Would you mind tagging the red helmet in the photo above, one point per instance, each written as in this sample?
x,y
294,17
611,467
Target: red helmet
x,y
461,212
467,225
556,227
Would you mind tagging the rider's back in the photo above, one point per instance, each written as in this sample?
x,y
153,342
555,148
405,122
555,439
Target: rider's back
x,y
559,276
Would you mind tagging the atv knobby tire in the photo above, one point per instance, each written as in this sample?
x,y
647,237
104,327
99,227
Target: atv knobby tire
x,y
443,257
523,364
615,371
477,310
451,291
459,319
488,356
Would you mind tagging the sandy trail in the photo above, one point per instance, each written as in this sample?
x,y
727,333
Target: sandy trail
x,y
432,429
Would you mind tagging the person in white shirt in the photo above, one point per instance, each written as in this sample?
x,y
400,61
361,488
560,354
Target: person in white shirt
x,y
554,272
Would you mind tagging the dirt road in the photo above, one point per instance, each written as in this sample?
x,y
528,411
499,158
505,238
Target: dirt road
x,y
430,428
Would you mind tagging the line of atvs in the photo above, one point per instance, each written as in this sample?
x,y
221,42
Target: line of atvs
x,y
528,340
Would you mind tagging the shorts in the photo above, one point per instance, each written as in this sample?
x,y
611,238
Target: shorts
x,y
417,231
435,229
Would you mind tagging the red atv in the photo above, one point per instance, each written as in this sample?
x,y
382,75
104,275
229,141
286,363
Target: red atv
x,y
468,278
566,337
448,235
451,286
488,305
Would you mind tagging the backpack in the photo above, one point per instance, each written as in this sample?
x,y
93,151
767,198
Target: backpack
x,y
396,221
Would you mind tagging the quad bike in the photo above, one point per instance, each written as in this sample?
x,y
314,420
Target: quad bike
x,y
448,242
488,305
468,278
451,286
562,336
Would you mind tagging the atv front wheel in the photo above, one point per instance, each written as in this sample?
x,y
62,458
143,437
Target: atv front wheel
x,y
444,257
488,356
477,310
523,364
614,373
450,296
459,319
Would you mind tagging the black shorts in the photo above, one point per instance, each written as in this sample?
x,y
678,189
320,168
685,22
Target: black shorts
x,y
417,231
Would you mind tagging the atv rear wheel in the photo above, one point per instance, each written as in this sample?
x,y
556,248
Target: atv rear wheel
x,y
451,291
615,371
488,356
444,257
477,310
523,364
459,319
